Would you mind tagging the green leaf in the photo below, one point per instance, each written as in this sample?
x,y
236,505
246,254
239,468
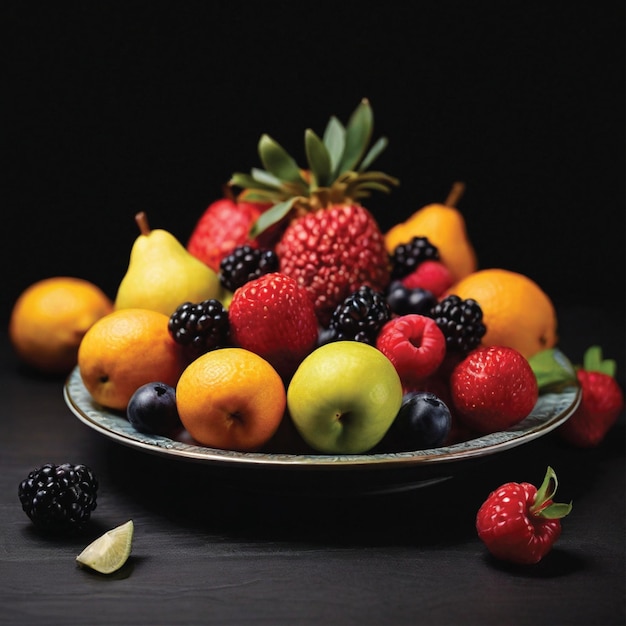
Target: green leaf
x,y
318,158
277,161
246,181
544,494
335,141
358,135
271,216
373,153
552,369
593,362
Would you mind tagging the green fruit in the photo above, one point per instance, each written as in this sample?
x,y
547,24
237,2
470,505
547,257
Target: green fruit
x,y
344,397
162,274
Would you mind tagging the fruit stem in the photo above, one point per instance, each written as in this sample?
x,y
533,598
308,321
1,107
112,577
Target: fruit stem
x,y
142,221
457,191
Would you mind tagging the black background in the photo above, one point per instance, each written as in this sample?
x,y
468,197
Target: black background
x,y
113,107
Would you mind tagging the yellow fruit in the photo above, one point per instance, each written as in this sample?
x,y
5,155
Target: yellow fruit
x,y
125,350
516,311
232,399
109,551
444,226
162,274
50,318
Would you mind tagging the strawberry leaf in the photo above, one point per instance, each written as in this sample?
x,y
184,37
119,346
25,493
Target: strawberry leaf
x,y
543,505
358,135
335,142
277,161
552,369
373,153
271,216
593,362
318,158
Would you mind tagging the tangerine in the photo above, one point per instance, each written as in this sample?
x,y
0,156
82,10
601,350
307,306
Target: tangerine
x,y
516,311
50,318
124,350
232,399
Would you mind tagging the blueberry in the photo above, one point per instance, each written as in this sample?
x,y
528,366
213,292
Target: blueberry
x,y
423,422
152,410
404,301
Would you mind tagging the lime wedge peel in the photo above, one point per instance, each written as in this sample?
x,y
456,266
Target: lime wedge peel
x,y
110,551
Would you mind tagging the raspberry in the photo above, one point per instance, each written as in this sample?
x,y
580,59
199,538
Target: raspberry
x,y
407,256
433,276
244,264
414,344
461,321
59,498
360,317
200,327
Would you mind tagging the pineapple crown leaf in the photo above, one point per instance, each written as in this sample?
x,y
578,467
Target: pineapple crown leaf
x,y
337,164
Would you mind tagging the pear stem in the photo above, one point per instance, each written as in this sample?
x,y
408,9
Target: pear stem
x,y
457,191
142,221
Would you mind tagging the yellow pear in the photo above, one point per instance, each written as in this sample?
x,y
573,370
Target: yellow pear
x,y
161,274
444,226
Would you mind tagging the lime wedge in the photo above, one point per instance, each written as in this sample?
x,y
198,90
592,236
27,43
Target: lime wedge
x,y
110,551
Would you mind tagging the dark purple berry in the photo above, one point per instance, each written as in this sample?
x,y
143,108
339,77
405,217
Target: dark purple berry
x,y
152,410
423,421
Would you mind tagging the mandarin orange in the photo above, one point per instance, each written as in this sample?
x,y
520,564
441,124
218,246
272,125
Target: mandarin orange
x,y
516,311
231,398
125,350
50,318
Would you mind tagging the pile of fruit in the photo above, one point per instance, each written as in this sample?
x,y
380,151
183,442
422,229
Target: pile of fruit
x,y
291,321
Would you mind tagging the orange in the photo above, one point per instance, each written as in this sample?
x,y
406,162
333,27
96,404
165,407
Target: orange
x,y
49,319
516,311
232,399
125,350
445,228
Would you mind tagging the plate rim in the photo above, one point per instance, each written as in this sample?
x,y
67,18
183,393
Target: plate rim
x,y
92,415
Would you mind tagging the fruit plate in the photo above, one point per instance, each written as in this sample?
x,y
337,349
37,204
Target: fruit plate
x,y
357,473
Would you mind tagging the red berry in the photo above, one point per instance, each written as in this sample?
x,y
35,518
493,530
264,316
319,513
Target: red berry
x,y
519,523
274,317
222,227
601,404
493,388
433,276
332,252
414,344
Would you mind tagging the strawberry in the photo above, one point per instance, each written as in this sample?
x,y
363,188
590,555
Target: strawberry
x,y
493,388
331,245
274,317
224,225
332,253
601,403
431,275
520,523
415,345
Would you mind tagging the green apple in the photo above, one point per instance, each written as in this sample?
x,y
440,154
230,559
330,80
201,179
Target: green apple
x,y
344,397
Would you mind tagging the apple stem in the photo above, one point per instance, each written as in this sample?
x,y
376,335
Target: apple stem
x,y
142,221
457,191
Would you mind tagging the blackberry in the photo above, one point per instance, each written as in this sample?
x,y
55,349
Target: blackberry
x,y
246,263
461,321
360,317
405,301
407,256
59,498
200,327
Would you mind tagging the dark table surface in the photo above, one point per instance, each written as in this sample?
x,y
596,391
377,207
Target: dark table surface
x,y
210,550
